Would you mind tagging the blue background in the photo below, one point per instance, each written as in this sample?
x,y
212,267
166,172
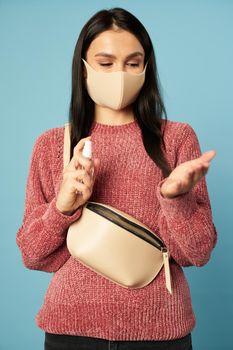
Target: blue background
x,y
193,46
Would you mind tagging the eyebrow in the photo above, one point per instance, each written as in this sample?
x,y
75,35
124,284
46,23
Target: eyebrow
x,y
105,54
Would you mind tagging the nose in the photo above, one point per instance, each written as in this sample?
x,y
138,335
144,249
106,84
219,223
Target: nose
x,y
120,66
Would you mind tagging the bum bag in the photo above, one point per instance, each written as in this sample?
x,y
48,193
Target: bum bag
x,y
114,244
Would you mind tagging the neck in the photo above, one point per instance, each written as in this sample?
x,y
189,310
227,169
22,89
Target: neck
x,y
110,116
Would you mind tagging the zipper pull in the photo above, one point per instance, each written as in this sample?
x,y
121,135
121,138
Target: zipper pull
x,y
167,269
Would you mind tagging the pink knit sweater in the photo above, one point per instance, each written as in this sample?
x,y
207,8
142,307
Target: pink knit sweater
x,y
80,302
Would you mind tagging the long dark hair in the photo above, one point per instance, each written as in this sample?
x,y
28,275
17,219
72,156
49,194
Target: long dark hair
x,y
148,108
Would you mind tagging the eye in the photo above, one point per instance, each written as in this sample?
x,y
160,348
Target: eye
x,y
133,64
105,64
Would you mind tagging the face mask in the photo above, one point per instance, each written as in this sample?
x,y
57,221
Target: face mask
x,y
115,90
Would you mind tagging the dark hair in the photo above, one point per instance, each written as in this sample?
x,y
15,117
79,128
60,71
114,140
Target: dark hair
x,y
148,108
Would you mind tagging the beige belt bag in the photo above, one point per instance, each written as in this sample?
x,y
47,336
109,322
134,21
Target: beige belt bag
x,y
114,244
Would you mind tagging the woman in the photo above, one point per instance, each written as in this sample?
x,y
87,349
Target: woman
x,y
146,166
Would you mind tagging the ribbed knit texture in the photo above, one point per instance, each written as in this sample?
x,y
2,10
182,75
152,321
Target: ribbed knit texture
x,y
80,302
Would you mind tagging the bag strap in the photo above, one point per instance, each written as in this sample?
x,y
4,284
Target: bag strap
x,y
66,148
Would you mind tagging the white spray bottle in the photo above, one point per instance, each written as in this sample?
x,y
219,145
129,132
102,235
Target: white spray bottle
x,y
87,149
87,152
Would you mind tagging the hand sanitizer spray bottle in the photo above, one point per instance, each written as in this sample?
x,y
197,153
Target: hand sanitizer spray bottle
x,y
87,149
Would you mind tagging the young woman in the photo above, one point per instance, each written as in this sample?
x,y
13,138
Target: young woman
x,y
146,166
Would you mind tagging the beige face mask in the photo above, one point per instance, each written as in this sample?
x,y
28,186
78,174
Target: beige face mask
x,y
115,90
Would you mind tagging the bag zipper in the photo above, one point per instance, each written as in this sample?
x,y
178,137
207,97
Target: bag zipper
x,y
126,224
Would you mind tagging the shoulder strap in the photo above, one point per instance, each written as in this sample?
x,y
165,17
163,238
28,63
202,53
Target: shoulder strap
x,y
66,148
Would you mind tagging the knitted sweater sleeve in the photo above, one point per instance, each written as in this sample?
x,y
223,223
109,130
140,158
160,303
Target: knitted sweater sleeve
x,y
185,222
42,235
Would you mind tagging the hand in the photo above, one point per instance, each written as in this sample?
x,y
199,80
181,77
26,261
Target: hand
x,y
186,175
77,184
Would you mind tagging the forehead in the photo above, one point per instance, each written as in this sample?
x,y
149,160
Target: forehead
x,y
119,43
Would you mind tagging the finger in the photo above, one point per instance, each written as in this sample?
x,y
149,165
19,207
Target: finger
x,y
188,179
208,156
79,187
79,147
191,175
78,174
199,163
87,180
197,175
201,170
85,162
79,161
73,164
205,168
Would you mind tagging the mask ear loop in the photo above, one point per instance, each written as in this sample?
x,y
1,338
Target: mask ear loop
x,y
145,66
143,72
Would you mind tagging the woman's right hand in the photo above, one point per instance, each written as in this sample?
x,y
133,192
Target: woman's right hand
x,y
77,183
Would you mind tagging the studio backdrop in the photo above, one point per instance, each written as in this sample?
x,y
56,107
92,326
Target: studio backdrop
x,y
194,52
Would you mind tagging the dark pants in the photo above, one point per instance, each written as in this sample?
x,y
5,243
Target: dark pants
x,y
73,342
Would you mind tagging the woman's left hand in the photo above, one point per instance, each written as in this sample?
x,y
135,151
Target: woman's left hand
x,y
186,175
